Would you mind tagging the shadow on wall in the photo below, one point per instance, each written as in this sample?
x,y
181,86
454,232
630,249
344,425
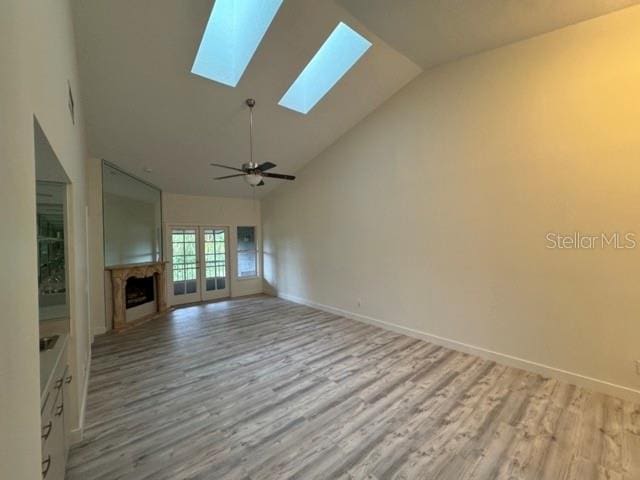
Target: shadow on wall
x,y
269,272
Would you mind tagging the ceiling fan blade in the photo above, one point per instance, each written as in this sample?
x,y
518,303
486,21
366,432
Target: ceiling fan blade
x,y
225,166
230,176
279,175
263,167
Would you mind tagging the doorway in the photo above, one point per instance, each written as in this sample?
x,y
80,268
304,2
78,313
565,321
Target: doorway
x,y
199,261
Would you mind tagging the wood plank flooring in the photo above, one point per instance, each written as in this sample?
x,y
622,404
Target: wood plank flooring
x,y
263,389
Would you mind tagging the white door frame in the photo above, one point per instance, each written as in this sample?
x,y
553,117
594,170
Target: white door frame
x,y
224,292
201,293
186,297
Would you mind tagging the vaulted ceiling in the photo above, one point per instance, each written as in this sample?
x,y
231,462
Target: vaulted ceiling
x,y
145,110
431,32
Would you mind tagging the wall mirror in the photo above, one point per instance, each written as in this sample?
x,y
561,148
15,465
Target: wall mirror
x,y
132,211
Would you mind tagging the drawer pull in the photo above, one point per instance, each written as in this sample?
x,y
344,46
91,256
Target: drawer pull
x,y
60,410
68,380
58,384
46,431
45,469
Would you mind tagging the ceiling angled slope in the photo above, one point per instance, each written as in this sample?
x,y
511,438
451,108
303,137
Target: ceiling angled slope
x,y
432,32
146,110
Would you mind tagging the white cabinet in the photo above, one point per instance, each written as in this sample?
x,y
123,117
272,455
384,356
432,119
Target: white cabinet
x,y
54,427
66,393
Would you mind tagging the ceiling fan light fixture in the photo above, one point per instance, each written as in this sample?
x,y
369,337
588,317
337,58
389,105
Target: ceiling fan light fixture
x,y
252,172
253,179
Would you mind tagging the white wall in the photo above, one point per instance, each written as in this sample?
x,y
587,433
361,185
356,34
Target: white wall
x,y
433,211
218,211
37,57
19,395
96,246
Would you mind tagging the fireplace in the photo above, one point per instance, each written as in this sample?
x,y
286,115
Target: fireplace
x,y
139,291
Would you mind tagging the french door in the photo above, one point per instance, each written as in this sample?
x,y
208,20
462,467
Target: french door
x,y
199,264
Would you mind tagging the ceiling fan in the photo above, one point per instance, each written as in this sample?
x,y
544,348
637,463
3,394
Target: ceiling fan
x,y
252,172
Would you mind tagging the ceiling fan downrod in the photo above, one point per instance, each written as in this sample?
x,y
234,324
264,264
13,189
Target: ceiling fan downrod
x,y
252,172
251,103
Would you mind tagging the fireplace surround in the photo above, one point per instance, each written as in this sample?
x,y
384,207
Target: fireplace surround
x,y
120,275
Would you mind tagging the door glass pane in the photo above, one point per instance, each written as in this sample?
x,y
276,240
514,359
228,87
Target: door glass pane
x,y
185,272
215,259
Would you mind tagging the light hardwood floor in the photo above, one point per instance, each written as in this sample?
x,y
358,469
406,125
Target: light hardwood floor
x,y
261,388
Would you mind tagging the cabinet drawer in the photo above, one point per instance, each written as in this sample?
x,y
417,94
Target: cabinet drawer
x,y
56,386
53,405
53,428
53,456
53,420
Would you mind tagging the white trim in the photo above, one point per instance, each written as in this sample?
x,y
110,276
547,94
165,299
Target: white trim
x,y
185,298
75,435
201,295
254,277
99,330
208,295
591,383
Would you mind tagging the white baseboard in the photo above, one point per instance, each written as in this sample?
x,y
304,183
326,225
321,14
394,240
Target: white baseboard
x,y
75,436
99,330
591,383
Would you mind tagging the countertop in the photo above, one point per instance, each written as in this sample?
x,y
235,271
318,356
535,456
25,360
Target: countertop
x,y
49,360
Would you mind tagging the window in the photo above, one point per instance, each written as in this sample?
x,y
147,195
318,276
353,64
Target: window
x,y
342,49
233,33
247,252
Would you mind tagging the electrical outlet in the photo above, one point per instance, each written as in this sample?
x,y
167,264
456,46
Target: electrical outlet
x,y
637,367
359,302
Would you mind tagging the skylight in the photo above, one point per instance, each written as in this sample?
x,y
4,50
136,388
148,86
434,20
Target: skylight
x,y
233,33
342,49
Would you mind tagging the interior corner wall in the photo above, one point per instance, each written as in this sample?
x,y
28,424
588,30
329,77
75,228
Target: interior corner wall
x,y
431,216
37,54
194,210
19,364
96,247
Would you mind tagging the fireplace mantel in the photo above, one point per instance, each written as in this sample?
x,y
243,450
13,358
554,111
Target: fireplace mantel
x,y
119,276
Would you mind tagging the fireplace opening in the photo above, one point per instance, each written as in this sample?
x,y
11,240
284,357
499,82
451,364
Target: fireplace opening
x,y
139,291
